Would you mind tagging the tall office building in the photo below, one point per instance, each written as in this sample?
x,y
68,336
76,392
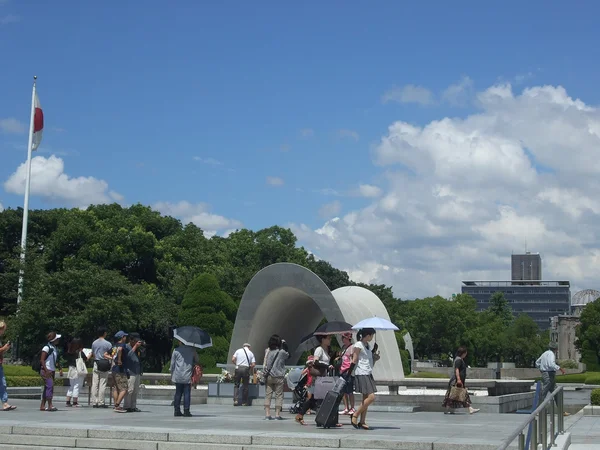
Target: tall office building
x,y
526,267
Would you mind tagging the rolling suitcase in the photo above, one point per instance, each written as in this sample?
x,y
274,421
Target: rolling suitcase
x,y
328,414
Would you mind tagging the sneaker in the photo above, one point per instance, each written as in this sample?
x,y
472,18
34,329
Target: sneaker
x,y
345,412
119,409
352,411
473,410
68,405
76,405
268,418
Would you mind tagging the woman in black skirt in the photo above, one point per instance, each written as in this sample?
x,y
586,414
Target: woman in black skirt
x,y
363,358
458,378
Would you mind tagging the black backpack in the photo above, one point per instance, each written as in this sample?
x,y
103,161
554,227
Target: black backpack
x,y
36,365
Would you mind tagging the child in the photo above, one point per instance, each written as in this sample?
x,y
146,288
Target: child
x,y
309,379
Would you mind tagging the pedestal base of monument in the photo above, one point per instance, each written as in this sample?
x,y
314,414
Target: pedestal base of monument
x,y
508,403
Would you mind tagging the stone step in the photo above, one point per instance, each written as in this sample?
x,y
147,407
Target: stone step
x,y
47,438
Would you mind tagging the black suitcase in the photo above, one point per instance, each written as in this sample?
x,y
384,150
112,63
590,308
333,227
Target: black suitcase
x,y
328,413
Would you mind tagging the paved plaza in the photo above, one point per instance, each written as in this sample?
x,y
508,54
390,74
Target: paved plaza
x,y
422,430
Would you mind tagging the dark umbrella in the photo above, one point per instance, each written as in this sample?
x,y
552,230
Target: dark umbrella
x,y
193,336
333,328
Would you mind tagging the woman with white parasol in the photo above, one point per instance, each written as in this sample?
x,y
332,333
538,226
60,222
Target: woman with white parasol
x,y
364,357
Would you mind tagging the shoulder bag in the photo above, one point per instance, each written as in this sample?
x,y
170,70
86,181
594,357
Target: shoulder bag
x,y
265,373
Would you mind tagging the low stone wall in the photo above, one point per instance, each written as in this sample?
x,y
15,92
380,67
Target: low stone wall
x,y
482,373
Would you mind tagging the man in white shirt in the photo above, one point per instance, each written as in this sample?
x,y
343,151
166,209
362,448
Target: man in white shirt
x,y
547,365
244,362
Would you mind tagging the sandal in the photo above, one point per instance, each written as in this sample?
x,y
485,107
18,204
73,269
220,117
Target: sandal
x,y
354,422
53,409
300,420
9,408
364,426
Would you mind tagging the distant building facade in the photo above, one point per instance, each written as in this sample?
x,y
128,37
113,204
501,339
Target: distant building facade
x,y
526,267
540,300
562,331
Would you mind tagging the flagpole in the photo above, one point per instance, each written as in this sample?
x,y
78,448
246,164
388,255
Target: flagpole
x,y
26,204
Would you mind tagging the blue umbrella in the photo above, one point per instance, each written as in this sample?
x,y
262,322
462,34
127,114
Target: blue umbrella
x,y
193,336
377,323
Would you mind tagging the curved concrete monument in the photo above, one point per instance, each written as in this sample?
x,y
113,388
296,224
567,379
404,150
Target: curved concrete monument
x,y
290,300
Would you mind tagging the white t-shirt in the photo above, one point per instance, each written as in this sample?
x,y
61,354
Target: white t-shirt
x,y
321,355
241,359
51,359
364,365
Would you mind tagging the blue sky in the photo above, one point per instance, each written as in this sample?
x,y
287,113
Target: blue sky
x,y
132,94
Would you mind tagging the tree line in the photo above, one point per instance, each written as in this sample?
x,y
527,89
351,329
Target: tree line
x,y
135,269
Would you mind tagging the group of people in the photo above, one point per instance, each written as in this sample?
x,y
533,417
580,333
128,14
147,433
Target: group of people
x,y
354,363
119,360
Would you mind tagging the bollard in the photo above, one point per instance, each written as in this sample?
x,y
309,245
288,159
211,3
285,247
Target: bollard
x,y
521,441
534,434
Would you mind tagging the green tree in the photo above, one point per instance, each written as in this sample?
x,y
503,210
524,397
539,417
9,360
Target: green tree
x,y
588,332
500,308
206,306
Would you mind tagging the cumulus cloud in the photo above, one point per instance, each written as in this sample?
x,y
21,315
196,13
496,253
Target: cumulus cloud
x,y
329,210
307,133
11,125
459,195
369,191
459,94
1,207
9,18
409,94
49,180
275,181
200,215
209,161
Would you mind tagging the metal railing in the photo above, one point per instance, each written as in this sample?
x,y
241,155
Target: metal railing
x,y
553,406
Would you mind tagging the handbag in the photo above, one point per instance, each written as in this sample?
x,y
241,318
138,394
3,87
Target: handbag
x,y
72,373
81,368
197,374
458,394
264,374
103,365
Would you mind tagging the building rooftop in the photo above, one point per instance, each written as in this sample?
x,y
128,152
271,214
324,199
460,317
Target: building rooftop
x,y
531,283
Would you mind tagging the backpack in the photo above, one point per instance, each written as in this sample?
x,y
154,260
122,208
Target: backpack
x,y
36,365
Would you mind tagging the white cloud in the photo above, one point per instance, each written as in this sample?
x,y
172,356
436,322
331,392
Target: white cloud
x,y
459,94
9,18
459,195
275,181
409,94
209,161
348,134
307,132
369,191
200,215
11,125
49,180
1,207
329,210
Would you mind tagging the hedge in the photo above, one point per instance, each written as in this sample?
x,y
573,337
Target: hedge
x,y
31,381
593,379
595,397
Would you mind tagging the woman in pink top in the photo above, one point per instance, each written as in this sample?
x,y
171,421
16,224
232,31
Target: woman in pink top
x,y
346,357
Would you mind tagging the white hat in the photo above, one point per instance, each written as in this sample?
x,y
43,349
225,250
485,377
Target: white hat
x,y
58,336
246,345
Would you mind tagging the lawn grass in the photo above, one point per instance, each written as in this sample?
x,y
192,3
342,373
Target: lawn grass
x,y
428,375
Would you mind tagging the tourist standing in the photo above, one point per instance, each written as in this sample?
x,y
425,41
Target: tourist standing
x,y
49,361
274,369
363,360
3,391
346,361
119,371
76,378
547,365
244,361
458,379
101,352
134,367
183,360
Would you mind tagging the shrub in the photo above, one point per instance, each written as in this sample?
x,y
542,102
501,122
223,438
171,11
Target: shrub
x,y
572,378
593,378
427,375
20,381
19,371
595,397
568,364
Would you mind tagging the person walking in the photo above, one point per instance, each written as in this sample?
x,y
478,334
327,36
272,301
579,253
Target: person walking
x,y
183,360
3,391
49,361
546,363
363,360
76,378
274,366
101,352
245,362
458,379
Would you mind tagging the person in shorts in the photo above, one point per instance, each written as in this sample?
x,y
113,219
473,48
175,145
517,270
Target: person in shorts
x,y
346,358
119,371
